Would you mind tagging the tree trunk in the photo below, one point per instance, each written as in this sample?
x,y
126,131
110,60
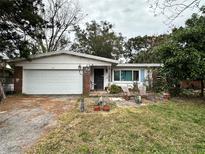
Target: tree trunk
x,y
202,88
2,94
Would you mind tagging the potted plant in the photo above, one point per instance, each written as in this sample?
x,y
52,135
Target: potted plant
x,y
97,108
98,105
106,108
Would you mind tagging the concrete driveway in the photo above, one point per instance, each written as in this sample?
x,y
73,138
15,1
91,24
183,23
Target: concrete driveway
x,y
24,119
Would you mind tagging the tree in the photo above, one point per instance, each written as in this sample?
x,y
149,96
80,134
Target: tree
x,y
61,17
174,8
20,27
140,49
183,55
98,39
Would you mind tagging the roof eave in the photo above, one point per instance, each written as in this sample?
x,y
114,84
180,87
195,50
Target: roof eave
x,y
66,53
140,65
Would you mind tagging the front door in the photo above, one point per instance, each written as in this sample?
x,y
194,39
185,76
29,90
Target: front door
x,y
98,79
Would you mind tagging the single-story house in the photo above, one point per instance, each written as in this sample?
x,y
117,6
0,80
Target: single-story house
x,y
66,72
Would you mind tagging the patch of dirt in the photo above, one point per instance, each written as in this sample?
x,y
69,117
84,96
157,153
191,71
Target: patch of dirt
x,y
53,104
24,119
20,131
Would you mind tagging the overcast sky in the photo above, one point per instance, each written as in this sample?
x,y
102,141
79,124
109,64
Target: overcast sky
x,y
130,17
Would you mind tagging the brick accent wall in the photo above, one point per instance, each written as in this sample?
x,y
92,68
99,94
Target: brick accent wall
x,y
86,81
18,76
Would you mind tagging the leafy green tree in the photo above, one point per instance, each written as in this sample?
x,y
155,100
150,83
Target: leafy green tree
x,y
140,49
20,27
98,39
183,55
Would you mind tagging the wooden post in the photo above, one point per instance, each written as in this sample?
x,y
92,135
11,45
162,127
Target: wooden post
x,y
86,81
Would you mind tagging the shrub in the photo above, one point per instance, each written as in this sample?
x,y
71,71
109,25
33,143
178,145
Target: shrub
x,y
189,92
114,89
159,84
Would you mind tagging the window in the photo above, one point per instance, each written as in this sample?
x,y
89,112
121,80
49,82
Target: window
x,y
126,75
135,75
116,75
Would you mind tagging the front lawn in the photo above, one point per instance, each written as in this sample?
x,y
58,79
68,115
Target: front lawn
x,y
174,127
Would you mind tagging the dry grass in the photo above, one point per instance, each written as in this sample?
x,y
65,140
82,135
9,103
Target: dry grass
x,y
174,127
55,105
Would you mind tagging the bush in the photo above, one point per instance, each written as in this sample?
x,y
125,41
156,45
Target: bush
x,y
159,84
187,92
114,89
162,85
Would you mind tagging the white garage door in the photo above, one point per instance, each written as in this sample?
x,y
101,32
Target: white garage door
x,y
52,82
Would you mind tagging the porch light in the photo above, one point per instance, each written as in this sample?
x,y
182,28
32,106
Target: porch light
x,y
80,69
87,69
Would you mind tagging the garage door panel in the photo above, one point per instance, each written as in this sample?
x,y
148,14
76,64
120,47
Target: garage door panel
x,y
52,82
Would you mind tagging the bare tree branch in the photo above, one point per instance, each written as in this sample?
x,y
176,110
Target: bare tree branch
x,y
61,15
173,9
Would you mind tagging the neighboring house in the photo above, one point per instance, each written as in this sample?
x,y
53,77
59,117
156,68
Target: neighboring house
x,y
66,72
6,77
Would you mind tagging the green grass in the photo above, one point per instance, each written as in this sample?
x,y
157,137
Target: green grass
x,y
174,127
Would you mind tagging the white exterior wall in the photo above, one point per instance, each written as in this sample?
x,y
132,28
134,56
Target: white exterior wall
x,y
61,62
70,62
64,63
106,81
